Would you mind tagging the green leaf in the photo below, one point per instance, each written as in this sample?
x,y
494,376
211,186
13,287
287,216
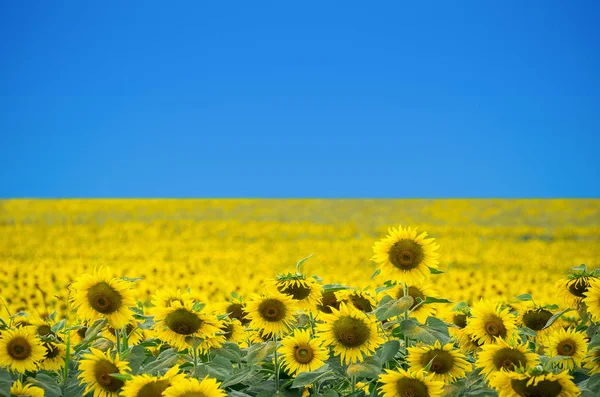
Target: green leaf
x,y
95,329
301,262
166,359
369,368
595,342
258,352
375,273
433,270
528,332
580,268
556,317
48,383
308,378
319,279
524,297
131,279
219,368
59,326
123,377
461,307
388,350
198,306
6,382
431,299
239,377
390,307
434,329
135,358
230,351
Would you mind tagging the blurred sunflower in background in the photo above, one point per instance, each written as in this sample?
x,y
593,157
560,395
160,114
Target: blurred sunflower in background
x,y
568,346
151,386
96,369
505,356
191,387
445,363
20,350
405,256
272,313
350,332
548,384
19,389
490,322
301,353
402,383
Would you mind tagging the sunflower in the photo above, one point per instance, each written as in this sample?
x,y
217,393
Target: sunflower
x,y
351,332
447,364
190,387
569,344
272,313
514,384
20,350
54,359
459,319
420,291
100,296
592,361
401,383
135,335
328,302
405,256
300,353
233,331
180,321
592,299
42,326
151,386
235,309
306,292
490,322
505,356
77,335
361,300
166,297
96,369
466,343
19,389
536,319
573,288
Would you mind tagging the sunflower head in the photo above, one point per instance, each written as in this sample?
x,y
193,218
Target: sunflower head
x,y
328,302
546,384
301,353
445,363
401,383
490,322
20,389
567,346
191,387
361,300
504,356
273,312
96,369
20,350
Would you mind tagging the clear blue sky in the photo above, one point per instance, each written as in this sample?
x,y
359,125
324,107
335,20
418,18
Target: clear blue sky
x,y
299,99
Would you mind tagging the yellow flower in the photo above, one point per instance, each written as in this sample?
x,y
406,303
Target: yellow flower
x,y
447,364
592,361
569,344
208,387
535,318
401,383
592,299
20,350
235,309
361,300
234,332
96,369
301,353
490,322
513,384
54,359
574,288
351,332
272,313
100,296
505,356
405,256
306,292
19,389
151,386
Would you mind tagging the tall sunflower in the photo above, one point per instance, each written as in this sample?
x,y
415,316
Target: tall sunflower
x,y
100,296
181,321
351,332
305,291
592,299
514,384
301,353
504,356
54,359
273,313
569,344
447,364
20,350
19,389
401,383
96,369
490,322
190,387
151,386
405,256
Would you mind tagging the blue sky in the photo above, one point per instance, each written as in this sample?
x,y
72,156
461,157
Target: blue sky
x,y
290,99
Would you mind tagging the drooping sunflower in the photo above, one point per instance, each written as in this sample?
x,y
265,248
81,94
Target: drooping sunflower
x,y
490,322
305,291
573,288
420,291
20,350
447,364
361,300
191,387
592,299
592,361
350,332
151,386
535,318
135,335
180,321
514,384
96,368
42,326
19,389
54,359
405,256
401,383
100,296
504,356
272,313
569,344
301,353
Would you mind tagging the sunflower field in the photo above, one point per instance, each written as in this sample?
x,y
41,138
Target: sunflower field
x,y
211,298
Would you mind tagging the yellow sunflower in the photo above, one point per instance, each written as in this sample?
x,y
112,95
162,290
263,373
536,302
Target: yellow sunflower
x,y
514,384
405,256
466,342
592,361
135,335
96,368
361,300
505,356
54,359
306,292
447,364
459,319
536,319
100,296
151,386
490,322
328,301
351,332
190,387
180,321
234,332
569,344
401,383
272,313
19,389
166,297
235,309
301,353
421,291
573,288
592,299
20,350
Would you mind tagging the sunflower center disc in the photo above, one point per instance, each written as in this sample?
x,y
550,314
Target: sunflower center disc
x,y
508,358
578,288
102,371
227,330
406,255
329,301
104,299
298,291
361,303
154,389
183,322
303,354
19,348
51,351
567,348
236,311
351,332
411,388
537,319
272,310
81,332
442,361
460,320
545,388
44,330
495,327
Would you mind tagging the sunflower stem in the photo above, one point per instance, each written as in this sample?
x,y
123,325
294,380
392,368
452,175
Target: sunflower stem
x,y
406,313
353,383
312,323
195,355
276,364
67,358
118,343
